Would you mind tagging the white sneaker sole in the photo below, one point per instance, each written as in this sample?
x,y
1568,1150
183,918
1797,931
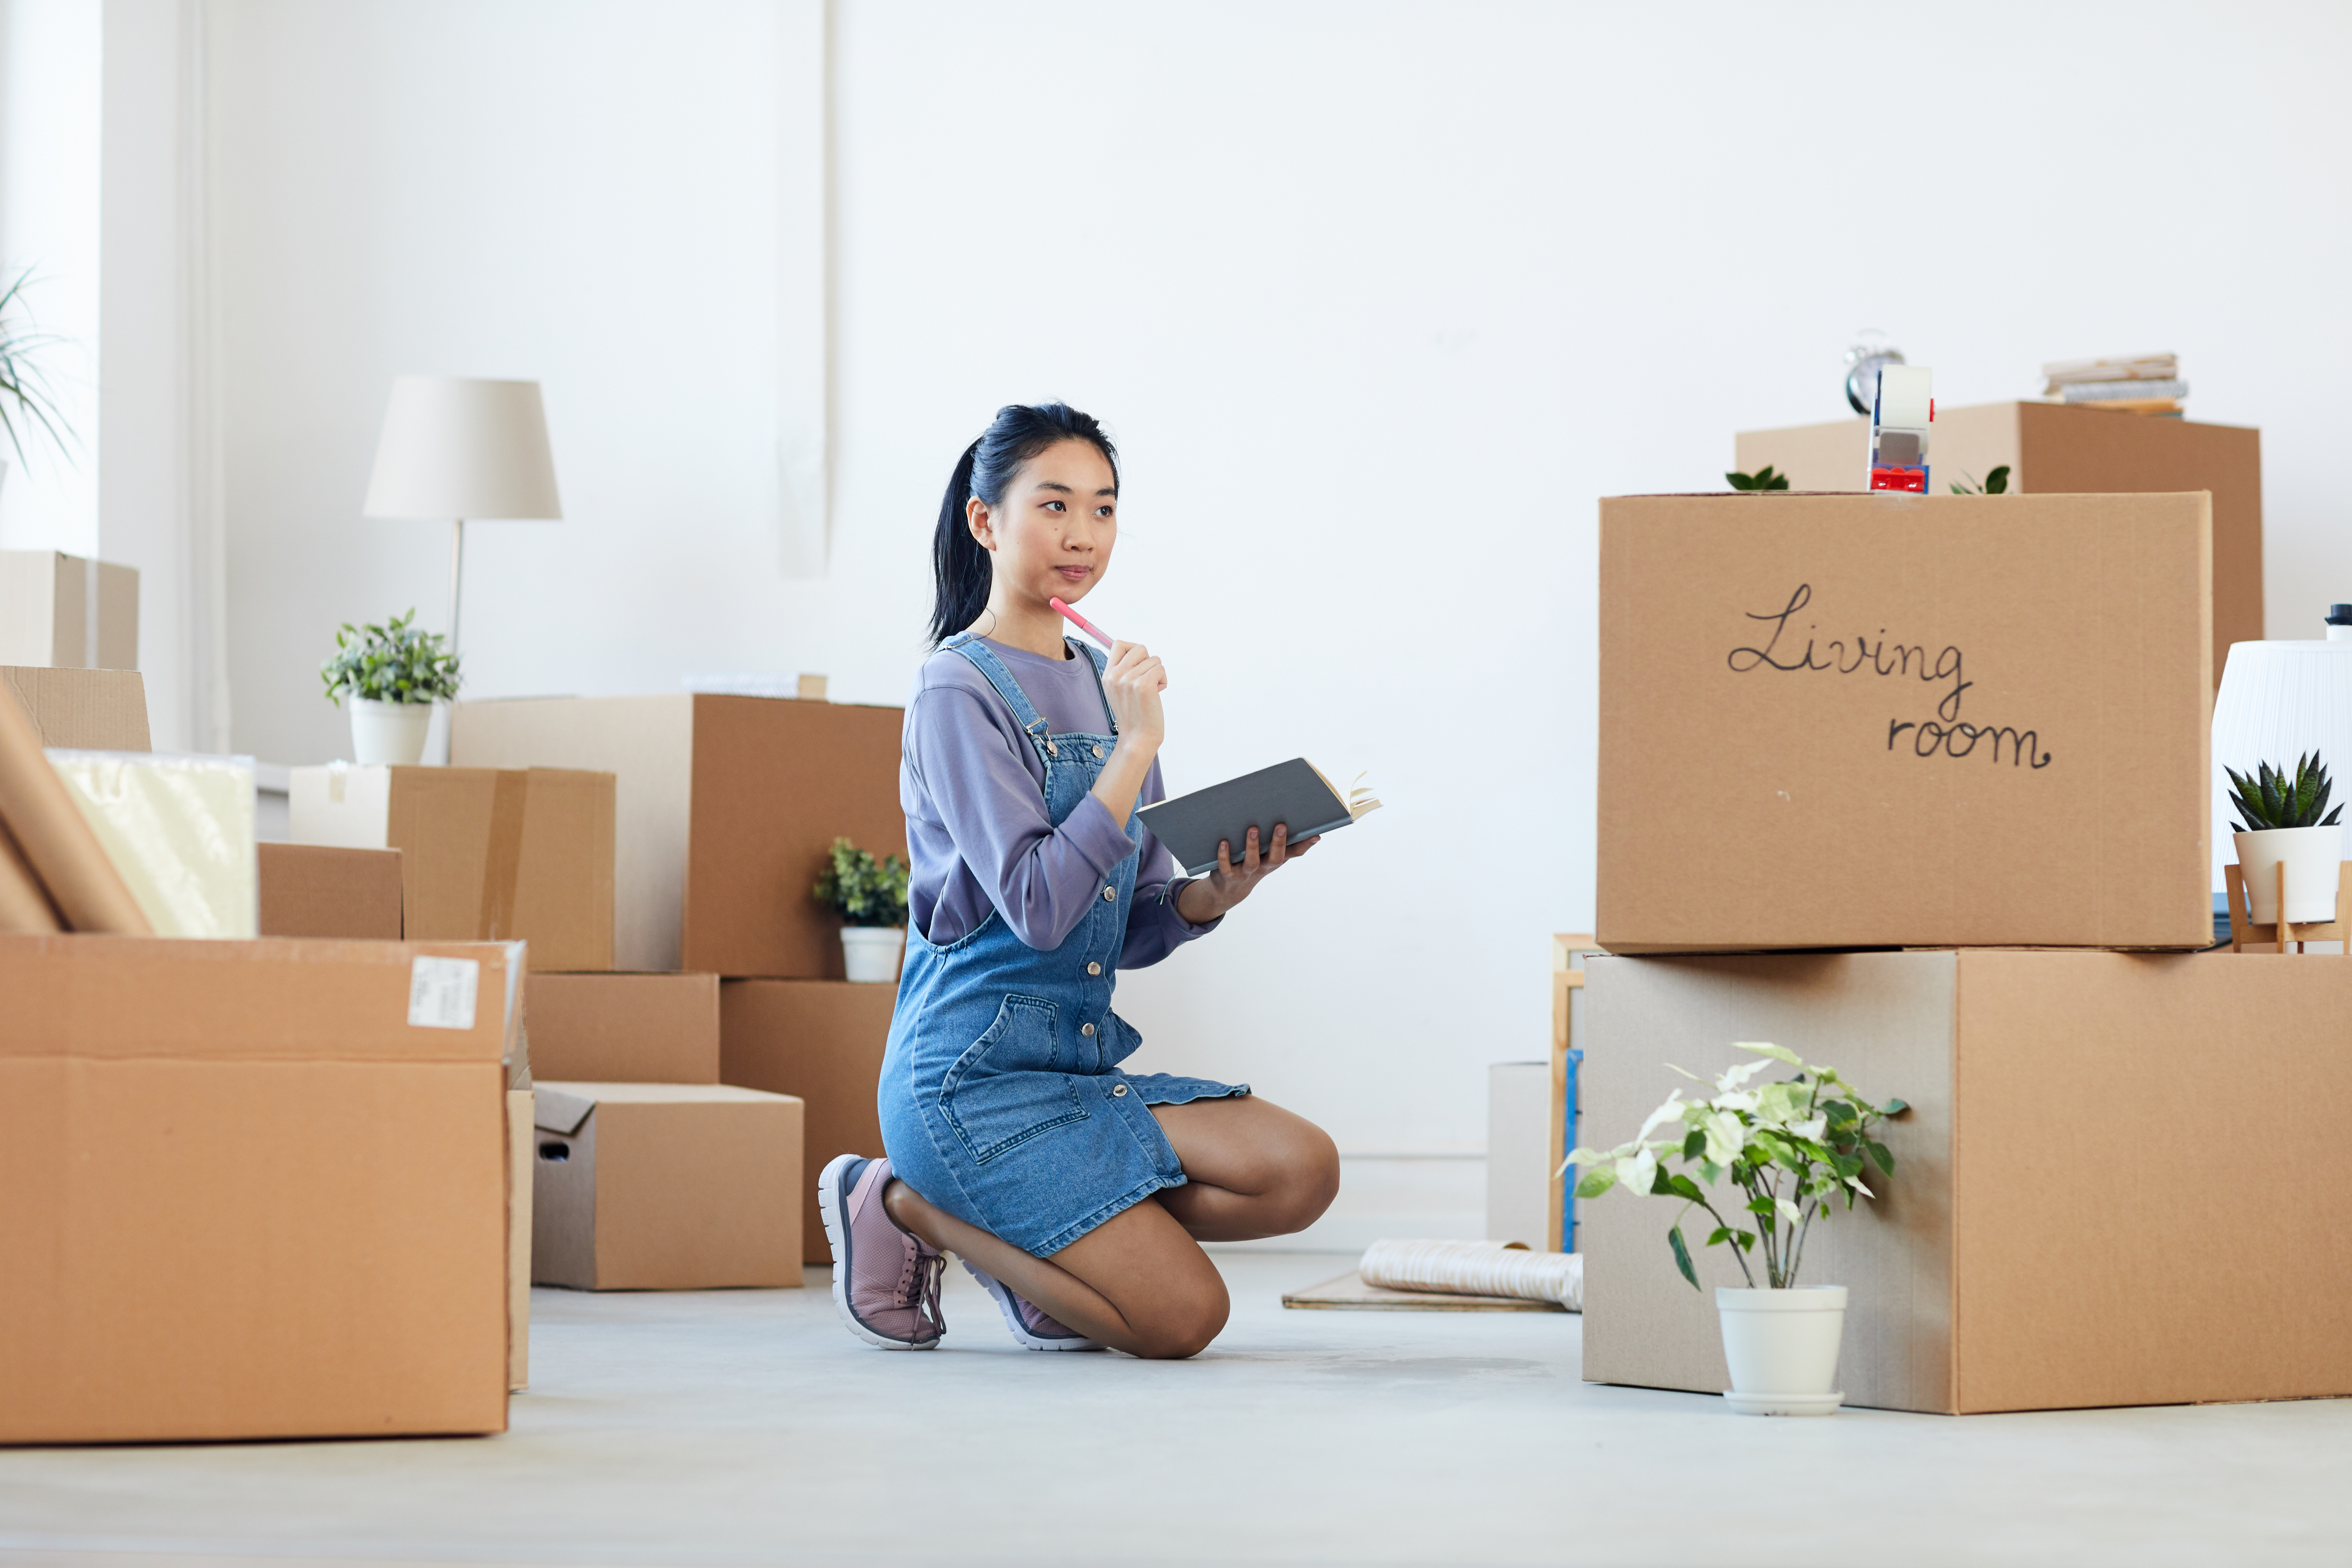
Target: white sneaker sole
x,y
1001,1294
829,1199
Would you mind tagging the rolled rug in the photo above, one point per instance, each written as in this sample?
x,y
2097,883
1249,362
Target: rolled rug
x,y
1476,1269
25,908
54,839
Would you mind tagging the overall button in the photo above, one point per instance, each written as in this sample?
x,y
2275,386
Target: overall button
x,y
1110,893
1094,969
1117,1090
1097,750
1086,1029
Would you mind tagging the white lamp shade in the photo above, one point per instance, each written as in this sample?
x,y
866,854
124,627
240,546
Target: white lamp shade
x,y
459,448
2277,701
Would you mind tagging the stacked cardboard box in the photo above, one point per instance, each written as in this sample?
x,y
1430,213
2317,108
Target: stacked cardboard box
x,y
1956,725
726,807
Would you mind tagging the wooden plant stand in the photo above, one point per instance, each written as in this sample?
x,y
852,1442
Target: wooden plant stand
x,y
2245,935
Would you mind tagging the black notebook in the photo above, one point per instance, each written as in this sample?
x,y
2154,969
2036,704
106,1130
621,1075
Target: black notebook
x,y
1293,792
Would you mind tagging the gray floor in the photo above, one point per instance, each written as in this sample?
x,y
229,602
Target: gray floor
x,y
746,1427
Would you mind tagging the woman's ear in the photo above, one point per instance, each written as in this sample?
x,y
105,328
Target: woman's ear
x,y
976,518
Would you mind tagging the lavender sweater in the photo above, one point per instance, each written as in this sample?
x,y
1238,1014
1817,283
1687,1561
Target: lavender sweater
x,y
974,793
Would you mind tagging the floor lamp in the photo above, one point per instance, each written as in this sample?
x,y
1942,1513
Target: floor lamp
x,y
461,448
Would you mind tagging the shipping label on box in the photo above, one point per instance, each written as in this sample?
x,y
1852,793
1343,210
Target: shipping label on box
x,y
1903,720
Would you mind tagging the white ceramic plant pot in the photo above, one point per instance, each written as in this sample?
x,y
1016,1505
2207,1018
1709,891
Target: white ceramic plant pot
x,y
2315,861
389,732
871,953
1783,1349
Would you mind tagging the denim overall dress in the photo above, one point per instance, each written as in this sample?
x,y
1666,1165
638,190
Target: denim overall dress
x,y
1001,1096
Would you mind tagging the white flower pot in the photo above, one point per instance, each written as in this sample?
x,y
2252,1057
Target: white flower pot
x,y
1783,1349
2315,860
871,953
389,732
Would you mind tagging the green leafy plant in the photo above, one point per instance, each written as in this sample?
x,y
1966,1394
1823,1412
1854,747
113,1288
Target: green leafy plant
x,y
26,403
1996,483
2273,799
391,663
1789,1148
862,891
1763,478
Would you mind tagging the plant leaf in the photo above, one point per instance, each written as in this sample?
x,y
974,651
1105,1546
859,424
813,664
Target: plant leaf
x,y
1682,1256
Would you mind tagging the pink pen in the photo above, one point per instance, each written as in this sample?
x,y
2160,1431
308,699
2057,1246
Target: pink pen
x,y
1083,625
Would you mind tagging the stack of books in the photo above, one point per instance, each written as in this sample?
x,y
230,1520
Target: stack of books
x,y
2134,383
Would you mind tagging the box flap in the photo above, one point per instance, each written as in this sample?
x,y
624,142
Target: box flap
x,y
653,1094
561,1111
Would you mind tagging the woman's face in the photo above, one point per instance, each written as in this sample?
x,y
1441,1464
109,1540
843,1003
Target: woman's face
x,y
1052,533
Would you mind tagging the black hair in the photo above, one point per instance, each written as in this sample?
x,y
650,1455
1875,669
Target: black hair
x,y
1018,432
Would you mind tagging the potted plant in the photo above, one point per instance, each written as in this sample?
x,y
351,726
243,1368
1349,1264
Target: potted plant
x,y
870,897
2279,824
1792,1150
391,673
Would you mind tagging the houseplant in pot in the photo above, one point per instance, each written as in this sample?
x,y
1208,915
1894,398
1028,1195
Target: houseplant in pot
x,y
1792,1151
870,897
391,673
2280,824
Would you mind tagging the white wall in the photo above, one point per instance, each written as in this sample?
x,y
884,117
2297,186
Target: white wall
x,y
1379,298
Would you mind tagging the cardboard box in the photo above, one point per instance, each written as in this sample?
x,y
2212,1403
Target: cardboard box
x,y
624,1029
2056,1232
1519,1162
727,808
67,613
487,854
2059,449
251,1189
661,1186
320,890
83,709
522,1154
821,1041
1881,721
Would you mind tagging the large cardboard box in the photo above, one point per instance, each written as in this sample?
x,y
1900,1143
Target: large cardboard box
x,y
821,1042
2056,449
2063,1226
487,854
1881,721
67,613
251,1189
83,709
321,890
663,1186
624,1029
726,807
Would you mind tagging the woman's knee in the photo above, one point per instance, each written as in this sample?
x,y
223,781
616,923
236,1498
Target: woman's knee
x,y
1184,1321
1311,1179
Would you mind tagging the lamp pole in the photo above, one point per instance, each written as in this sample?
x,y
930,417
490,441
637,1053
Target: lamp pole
x,y
457,576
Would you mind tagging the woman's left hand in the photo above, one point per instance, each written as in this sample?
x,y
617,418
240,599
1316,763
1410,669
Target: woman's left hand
x,y
1205,899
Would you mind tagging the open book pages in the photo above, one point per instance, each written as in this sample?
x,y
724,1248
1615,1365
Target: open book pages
x,y
1293,794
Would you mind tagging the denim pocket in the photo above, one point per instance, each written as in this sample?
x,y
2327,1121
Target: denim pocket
x,y
1001,1093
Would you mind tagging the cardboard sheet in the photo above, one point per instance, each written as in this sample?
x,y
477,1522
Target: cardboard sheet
x,y
624,1029
1832,722
84,710
317,889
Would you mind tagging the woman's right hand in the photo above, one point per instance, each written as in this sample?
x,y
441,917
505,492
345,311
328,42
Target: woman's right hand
x,y
1133,683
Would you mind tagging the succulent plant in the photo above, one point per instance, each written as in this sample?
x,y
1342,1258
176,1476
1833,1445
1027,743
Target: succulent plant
x,y
2273,798
1763,478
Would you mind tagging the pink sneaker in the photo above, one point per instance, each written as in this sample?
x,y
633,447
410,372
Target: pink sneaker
x,y
1033,1328
885,1282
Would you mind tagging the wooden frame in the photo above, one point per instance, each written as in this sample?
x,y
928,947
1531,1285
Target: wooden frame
x,y
1567,978
2244,933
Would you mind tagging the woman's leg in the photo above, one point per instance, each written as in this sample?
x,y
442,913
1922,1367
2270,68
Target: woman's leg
x,y
1252,1169
1137,1282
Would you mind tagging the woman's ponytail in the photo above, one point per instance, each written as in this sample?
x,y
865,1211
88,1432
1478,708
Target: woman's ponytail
x,y
960,567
